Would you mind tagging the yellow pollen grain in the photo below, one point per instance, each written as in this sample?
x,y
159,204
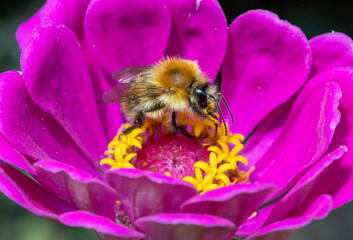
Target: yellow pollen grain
x,y
253,215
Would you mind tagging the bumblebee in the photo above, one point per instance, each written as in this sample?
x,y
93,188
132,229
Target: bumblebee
x,y
172,86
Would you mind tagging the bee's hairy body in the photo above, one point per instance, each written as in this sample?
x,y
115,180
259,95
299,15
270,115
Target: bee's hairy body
x,y
177,78
160,91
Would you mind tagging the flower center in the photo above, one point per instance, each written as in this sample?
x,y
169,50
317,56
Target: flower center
x,y
173,154
208,161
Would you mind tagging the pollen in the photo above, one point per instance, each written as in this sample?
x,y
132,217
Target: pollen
x,y
121,150
222,168
253,215
208,161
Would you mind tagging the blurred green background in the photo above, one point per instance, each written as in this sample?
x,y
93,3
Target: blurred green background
x,y
313,17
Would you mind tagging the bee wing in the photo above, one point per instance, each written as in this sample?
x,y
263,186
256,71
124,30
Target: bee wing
x,y
116,93
127,89
127,74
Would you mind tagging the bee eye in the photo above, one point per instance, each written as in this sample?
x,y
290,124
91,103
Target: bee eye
x,y
201,98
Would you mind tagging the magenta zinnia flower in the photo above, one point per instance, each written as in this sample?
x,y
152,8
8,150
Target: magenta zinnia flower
x,y
291,99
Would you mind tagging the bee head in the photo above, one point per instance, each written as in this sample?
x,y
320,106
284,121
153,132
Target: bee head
x,y
204,100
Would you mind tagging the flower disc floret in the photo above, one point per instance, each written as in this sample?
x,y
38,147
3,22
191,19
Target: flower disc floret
x,y
208,161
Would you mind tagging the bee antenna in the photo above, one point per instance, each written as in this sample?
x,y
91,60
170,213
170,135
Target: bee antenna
x,y
220,111
230,113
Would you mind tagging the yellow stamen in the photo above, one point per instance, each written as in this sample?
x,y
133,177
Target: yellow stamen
x,y
241,159
215,149
236,149
236,137
120,150
108,161
223,162
122,165
128,157
191,180
210,187
199,127
221,168
224,146
253,215
245,175
223,178
203,166
225,167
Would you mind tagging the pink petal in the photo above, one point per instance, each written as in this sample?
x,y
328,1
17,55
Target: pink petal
x,y
300,198
58,80
124,33
70,13
106,229
319,208
109,113
271,127
78,187
145,193
236,202
340,186
32,131
344,77
27,193
253,224
314,183
185,226
198,32
10,155
25,30
305,136
266,133
306,191
267,61
284,229
331,50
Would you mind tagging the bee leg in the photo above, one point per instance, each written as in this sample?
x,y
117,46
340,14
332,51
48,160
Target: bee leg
x,y
179,129
139,120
